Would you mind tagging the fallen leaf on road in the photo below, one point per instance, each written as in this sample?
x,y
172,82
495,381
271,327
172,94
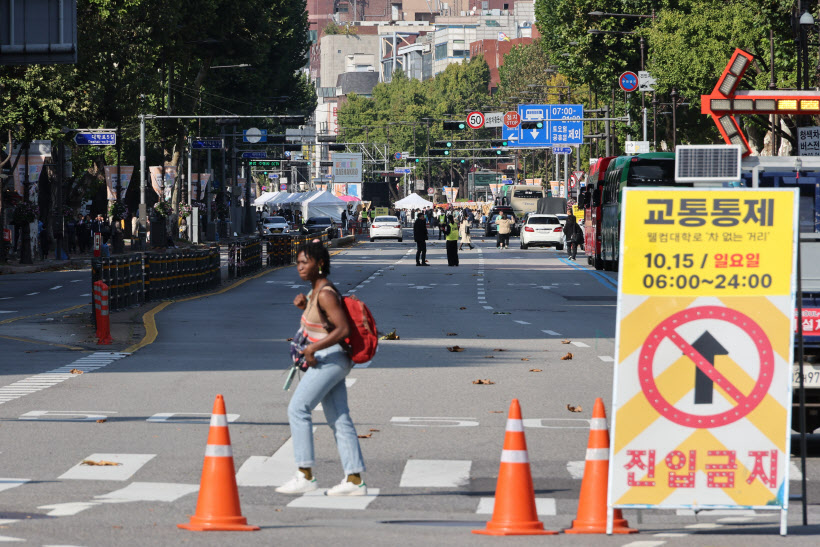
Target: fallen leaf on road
x,y
390,336
524,359
501,313
102,421
452,334
369,435
290,339
455,348
462,308
75,371
566,341
489,356
566,357
574,408
535,370
496,412
484,382
100,462
374,430
499,349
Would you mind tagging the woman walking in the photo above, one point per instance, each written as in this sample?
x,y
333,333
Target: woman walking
x,y
464,231
325,324
573,236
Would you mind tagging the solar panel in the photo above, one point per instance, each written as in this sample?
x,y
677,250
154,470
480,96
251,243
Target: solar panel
x,y
707,163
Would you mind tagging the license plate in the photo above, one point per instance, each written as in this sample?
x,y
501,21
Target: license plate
x,y
811,375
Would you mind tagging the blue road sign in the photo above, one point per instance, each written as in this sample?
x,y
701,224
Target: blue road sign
x,y
562,132
106,138
561,150
255,135
254,155
628,81
397,155
213,144
404,170
533,137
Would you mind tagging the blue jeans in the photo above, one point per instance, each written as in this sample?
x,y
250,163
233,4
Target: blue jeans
x,y
325,383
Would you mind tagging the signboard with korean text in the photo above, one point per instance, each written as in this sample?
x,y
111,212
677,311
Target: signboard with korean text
x,y
703,376
347,167
808,141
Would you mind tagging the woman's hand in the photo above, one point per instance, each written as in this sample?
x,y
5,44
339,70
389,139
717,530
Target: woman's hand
x,y
310,359
300,301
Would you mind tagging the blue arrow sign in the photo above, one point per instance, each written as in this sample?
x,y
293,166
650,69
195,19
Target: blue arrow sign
x,y
405,170
561,150
533,113
213,144
107,138
254,155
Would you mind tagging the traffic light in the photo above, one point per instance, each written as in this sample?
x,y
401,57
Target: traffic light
x,y
292,120
418,160
336,147
325,138
455,126
499,144
532,125
276,139
463,160
439,152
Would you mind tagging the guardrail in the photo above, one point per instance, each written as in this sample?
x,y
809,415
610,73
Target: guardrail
x,y
178,273
244,256
124,276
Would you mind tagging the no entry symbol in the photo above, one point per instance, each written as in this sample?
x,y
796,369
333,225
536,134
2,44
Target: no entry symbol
x,y
702,353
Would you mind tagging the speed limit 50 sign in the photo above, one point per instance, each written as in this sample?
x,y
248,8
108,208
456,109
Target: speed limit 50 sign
x,y
475,120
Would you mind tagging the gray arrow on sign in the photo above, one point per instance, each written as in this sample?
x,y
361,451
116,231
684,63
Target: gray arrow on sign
x,y
708,347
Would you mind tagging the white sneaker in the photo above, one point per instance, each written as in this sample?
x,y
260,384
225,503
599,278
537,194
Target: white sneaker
x,y
298,485
345,488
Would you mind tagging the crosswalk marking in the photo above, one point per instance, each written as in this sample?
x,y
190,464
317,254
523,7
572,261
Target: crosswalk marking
x,y
56,287
273,470
148,491
576,469
129,464
318,500
551,332
67,509
580,344
606,358
435,473
521,322
543,506
8,484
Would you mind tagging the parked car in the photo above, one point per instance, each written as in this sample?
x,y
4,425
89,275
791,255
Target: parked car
x,y
320,224
385,227
274,225
542,230
495,213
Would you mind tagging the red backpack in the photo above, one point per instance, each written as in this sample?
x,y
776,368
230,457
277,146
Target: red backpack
x,y
364,338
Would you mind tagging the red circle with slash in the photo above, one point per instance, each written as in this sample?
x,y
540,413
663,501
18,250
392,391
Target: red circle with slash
x,y
744,404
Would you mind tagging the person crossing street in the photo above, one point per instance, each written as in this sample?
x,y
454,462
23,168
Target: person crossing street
x,y
451,235
420,236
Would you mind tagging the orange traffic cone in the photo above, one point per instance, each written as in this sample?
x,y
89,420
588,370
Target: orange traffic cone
x,y
218,505
592,503
514,513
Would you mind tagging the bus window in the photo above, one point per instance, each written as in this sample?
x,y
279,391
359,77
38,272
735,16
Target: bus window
x,y
528,194
651,172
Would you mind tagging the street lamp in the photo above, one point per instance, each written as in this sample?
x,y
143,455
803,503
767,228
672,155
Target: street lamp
x,y
806,22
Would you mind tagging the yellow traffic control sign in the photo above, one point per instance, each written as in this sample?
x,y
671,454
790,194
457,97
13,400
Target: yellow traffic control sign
x,y
702,380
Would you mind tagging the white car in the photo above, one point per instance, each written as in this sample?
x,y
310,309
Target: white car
x,y
274,225
542,230
385,227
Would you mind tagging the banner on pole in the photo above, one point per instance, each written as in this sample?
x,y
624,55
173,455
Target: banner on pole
x,y
126,172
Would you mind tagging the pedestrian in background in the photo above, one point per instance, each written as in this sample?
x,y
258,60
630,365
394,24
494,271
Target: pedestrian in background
x,y
451,235
324,322
504,228
464,232
572,236
420,236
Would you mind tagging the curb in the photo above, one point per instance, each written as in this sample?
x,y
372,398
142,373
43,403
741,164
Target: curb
x,y
342,241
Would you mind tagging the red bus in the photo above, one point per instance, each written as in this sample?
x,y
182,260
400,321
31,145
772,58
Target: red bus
x,y
591,201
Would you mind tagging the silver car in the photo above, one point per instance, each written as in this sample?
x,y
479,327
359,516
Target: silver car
x,y
274,225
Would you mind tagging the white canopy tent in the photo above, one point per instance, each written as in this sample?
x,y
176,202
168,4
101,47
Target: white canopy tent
x,y
262,200
323,204
413,201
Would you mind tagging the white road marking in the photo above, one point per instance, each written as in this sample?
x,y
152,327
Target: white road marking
x,y
67,509
543,506
520,322
488,307
606,358
273,470
702,526
580,344
670,535
77,280
86,294
794,471
435,473
32,293
6,298
148,491
192,418
8,484
731,520
56,287
318,500
643,543
130,464
551,332
576,469
8,311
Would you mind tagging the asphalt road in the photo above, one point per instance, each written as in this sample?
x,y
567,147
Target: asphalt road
x,y
433,436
